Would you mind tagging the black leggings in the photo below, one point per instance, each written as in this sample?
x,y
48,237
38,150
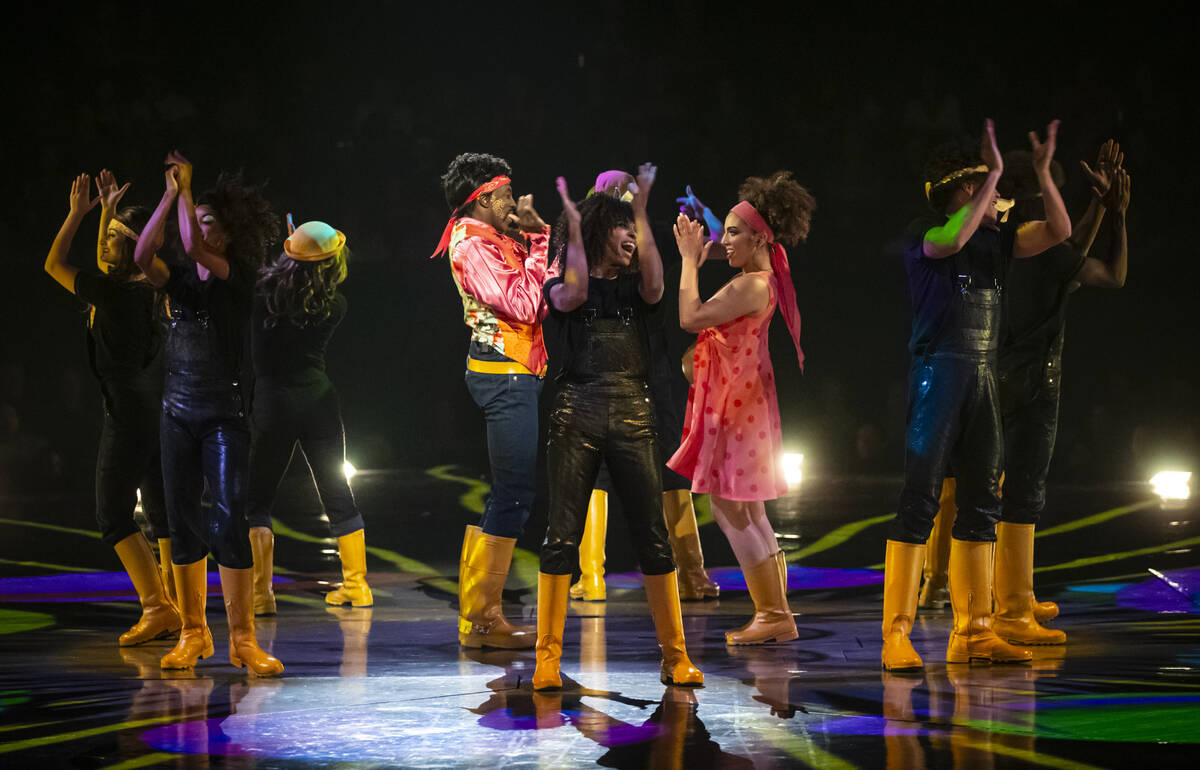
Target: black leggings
x,y
610,420
304,414
953,421
206,443
128,460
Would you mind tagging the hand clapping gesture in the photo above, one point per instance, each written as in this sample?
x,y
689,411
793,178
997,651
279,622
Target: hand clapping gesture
x,y
110,194
1108,161
78,201
1043,152
184,177
641,186
1119,193
569,208
988,150
689,236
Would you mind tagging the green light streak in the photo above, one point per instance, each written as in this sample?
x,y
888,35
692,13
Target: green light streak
x,y
1105,558
52,527
75,735
16,621
44,565
143,761
802,747
472,499
1096,518
838,536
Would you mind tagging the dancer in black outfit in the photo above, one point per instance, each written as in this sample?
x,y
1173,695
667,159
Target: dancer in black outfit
x,y
123,346
603,413
297,308
205,435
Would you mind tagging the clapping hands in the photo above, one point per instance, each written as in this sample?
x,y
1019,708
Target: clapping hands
x,y
689,237
79,201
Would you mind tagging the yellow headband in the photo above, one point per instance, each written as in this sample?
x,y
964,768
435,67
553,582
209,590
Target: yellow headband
x,y
124,229
930,186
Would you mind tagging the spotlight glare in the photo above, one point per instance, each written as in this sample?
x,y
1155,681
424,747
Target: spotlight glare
x,y
349,469
1172,485
792,462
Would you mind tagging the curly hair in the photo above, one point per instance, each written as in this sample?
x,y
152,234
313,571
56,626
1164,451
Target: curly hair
x,y
783,203
247,217
467,172
599,216
135,218
302,293
944,160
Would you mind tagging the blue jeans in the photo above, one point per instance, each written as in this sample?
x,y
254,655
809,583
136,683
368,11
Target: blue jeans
x,y
510,409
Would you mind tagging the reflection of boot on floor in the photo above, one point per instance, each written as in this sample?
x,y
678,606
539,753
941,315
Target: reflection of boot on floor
x,y
590,586
662,593
482,574
773,620
195,640
935,592
1015,619
237,586
901,574
901,742
352,549
770,670
971,597
262,544
356,627
159,615
684,533
551,619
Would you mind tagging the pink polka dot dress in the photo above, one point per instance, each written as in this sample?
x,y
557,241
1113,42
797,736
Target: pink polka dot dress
x,y
732,440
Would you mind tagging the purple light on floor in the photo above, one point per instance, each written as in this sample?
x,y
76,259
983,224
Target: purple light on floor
x,y
799,578
871,725
1154,595
82,587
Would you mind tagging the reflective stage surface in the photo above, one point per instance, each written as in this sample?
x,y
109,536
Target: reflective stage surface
x,y
390,687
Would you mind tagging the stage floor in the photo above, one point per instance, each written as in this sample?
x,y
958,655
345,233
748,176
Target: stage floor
x,y
390,687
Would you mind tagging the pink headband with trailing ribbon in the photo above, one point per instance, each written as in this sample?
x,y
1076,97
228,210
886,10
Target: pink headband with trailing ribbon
x,y
783,272
493,184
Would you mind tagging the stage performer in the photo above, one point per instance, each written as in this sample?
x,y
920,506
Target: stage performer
x,y
500,282
603,413
297,308
732,437
205,437
957,262
668,390
124,341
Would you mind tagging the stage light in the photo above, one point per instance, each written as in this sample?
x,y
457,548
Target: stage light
x,y
1172,485
349,469
792,467
137,508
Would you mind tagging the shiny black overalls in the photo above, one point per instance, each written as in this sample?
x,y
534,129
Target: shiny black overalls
x,y
954,419
603,412
205,443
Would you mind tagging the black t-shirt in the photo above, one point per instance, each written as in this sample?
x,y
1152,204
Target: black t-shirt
x,y
287,351
932,282
1035,303
223,303
607,298
124,339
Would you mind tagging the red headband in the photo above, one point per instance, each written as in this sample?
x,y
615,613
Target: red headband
x,y
493,184
783,272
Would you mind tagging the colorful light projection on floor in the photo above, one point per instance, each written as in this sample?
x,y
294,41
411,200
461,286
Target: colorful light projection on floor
x,y
83,587
799,578
1176,591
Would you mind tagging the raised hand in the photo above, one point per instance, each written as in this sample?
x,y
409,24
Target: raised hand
x,y
1108,160
527,217
1120,192
988,150
641,186
569,208
172,177
175,158
78,201
1043,152
691,205
106,188
689,237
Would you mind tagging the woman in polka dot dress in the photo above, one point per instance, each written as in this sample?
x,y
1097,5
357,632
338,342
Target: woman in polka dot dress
x,y
731,437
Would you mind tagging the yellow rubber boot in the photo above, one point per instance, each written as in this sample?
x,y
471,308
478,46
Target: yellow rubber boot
x,y
680,516
901,575
160,617
662,594
935,592
1043,611
352,549
237,586
262,545
164,568
1015,620
590,586
481,621
195,640
551,618
971,597
773,620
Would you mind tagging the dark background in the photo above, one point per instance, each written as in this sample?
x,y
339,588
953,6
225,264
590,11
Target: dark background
x,y
353,110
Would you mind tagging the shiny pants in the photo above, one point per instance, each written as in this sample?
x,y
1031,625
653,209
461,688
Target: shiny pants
x,y
206,442
306,415
1029,434
953,421
128,460
610,421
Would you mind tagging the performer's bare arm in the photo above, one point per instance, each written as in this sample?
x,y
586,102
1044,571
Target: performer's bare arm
x,y
744,295
649,260
950,238
110,197
56,261
1111,274
189,226
1109,159
1035,237
572,292
145,254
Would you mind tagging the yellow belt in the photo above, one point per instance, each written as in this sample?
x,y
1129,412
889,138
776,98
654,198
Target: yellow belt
x,y
496,367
